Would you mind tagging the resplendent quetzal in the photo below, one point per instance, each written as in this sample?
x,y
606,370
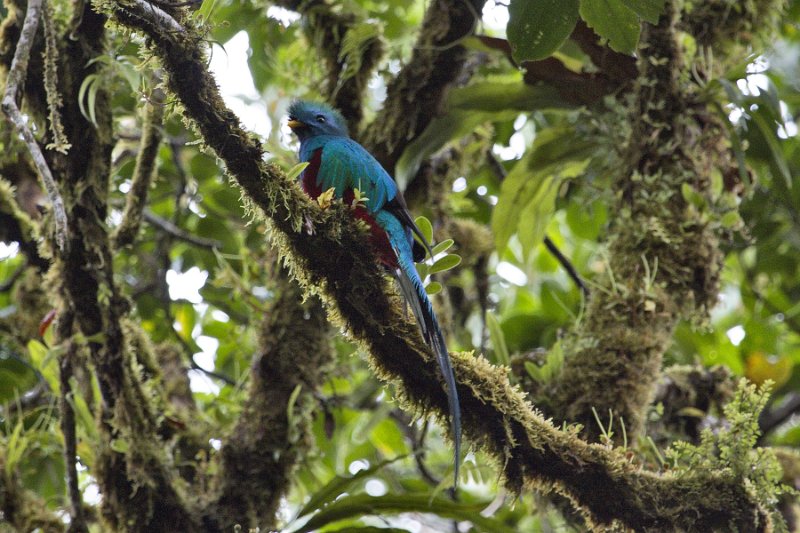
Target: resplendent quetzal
x,y
337,162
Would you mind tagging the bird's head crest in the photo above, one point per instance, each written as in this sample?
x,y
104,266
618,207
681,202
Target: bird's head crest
x,y
309,119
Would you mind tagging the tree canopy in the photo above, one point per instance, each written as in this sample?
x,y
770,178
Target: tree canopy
x,y
189,343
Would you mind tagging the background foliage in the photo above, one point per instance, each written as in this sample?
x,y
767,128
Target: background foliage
x,y
517,153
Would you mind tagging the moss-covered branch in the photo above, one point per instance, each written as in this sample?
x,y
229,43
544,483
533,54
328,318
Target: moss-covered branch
x,y
663,256
336,264
273,431
143,171
131,465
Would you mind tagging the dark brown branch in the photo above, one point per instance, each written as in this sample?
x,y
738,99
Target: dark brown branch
x,y
617,66
174,231
615,70
327,27
64,332
335,264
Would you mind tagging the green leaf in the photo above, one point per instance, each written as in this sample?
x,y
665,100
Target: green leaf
x,y
614,21
498,94
434,287
527,195
649,10
425,228
777,159
339,485
498,339
537,28
296,170
43,360
442,246
362,504
17,377
446,263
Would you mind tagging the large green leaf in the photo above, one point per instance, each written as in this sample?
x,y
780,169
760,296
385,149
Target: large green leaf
x,y
614,21
362,504
537,28
16,377
339,485
527,196
648,10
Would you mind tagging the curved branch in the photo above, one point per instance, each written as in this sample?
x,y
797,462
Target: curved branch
x,y
336,264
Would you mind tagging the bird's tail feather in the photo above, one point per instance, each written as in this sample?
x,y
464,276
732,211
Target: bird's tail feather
x,y
414,293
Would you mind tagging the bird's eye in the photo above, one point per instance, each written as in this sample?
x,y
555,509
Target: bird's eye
x,y
320,119
291,117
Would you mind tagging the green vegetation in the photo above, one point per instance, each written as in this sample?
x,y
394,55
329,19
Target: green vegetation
x,y
188,343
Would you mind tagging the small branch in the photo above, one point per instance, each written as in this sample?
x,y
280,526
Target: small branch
x,y
67,420
16,75
143,171
575,87
415,96
567,264
171,229
60,142
615,65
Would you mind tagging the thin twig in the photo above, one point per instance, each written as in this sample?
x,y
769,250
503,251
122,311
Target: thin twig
x,y
171,229
16,74
67,418
568,266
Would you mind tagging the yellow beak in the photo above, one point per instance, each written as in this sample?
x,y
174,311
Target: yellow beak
x,y
294,124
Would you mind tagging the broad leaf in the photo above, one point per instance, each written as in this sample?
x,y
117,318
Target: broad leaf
x,y
649,10
537,28
614,21
362,504
338,486
528,192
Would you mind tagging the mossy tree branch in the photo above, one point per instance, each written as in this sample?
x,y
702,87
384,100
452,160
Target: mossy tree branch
x,y
143,171
136,484
273,431
336,264
663,259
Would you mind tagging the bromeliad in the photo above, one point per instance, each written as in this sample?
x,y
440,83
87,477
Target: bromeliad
x,y
339,164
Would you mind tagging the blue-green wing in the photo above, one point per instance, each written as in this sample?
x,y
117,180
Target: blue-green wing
x,y
347,165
